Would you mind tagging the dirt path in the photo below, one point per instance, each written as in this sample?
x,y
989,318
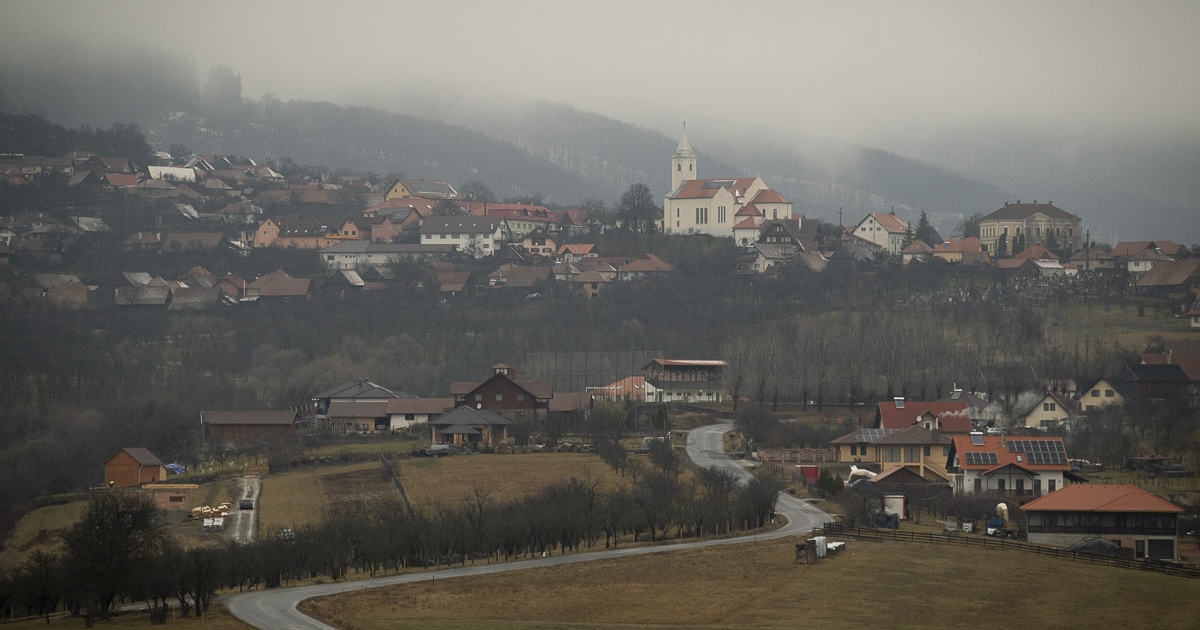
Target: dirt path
x,y
242,525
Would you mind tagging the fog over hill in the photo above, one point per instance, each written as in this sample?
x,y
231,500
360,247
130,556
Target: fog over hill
x,y
1124,182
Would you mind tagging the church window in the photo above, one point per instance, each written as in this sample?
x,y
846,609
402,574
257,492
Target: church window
x,y
679,168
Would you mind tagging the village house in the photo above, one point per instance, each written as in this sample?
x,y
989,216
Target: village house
x,y
406,412
1008,467
1105,392
919,449
503,394
1137,520
423,189
644,267
470,427
950,417
360,254
886,232
1052,411
474,236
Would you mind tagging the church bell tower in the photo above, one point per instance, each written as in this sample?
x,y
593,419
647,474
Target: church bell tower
x,y
683,163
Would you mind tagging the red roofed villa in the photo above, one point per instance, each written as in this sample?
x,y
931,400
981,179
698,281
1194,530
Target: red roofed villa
x,y
1137,520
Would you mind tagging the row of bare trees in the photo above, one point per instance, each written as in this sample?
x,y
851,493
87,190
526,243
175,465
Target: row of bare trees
x,y
852,357
120,553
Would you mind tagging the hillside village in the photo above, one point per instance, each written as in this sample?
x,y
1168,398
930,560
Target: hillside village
x,y
358,226
70,224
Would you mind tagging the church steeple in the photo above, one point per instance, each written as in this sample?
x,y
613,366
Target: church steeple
x,y
683,163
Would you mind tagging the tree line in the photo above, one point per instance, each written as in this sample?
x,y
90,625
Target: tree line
x,y
119,553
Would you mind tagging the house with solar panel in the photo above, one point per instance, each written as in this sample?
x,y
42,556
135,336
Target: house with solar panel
x,y
1008,467
714,206
922,451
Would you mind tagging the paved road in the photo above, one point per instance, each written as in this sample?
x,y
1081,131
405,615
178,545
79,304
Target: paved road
x,y
276,608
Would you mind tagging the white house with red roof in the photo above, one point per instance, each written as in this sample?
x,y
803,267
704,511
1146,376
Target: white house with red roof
x,y
884,231
712,206
1125,514
1009,467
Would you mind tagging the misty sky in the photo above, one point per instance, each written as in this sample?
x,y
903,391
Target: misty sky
x,y
849,70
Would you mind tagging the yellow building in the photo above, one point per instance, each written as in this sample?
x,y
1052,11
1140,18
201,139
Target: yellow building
x,y
1026,224
915,447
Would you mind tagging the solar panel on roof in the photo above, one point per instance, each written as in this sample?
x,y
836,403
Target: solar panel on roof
x,y
717,183
981,458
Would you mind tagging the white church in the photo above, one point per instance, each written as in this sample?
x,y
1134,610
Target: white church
x,y
733,207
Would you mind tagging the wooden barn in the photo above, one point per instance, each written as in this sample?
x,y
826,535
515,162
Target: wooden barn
x,y
239,426
133,467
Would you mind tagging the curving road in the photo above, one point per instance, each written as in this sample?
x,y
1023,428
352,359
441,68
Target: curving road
x,y
276,608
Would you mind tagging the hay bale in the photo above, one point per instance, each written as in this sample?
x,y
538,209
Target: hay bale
x,y
503,449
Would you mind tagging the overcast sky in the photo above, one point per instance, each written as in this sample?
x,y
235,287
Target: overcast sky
x,y
848,70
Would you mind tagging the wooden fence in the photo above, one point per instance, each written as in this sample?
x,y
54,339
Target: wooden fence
x,y
847,529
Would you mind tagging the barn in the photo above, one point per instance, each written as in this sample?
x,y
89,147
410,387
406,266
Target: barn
x,y
133,467
241,426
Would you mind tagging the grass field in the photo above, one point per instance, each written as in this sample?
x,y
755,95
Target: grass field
x,y
57,518
758,585
295,498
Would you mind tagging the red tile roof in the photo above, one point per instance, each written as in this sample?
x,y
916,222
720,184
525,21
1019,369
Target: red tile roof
x,y
695,188
890,222
969,244
1101,498
1036,251
770,196
1004,456
953,416
649,262
1128,248
577,249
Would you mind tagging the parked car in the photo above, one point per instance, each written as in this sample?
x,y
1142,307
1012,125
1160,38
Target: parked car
x,y
246,504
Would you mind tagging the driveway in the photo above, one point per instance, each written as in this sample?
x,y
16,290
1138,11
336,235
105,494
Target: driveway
x,y
241,526
276,608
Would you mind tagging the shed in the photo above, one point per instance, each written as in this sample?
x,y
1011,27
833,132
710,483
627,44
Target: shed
x,y
133,467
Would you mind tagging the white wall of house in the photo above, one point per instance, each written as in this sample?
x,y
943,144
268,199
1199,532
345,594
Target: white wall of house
x,y
1051,480
1046,414
483,244
399,421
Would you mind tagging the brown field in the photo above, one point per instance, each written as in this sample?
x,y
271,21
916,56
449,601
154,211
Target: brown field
x,y
892,585
295,498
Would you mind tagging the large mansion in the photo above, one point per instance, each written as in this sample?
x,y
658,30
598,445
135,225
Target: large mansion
x,y
715,206
1028,224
